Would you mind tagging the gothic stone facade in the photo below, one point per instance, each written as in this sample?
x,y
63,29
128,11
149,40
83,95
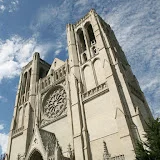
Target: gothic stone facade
x,y
89,107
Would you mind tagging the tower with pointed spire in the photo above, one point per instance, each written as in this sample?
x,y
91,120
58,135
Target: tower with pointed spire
x,y
89,107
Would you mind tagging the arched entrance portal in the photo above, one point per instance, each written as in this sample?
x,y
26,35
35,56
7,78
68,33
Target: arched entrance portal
x,y
36,156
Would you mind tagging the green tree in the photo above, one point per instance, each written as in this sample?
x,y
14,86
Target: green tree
x,y
150,149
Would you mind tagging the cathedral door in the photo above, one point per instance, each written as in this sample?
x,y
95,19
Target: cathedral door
x,y
36,156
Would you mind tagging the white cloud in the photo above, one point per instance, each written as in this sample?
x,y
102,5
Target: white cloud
x,y
2,8
149,83
17,52
137,30
13,6
9,7
53,20
1,126
81,2
57,52
3,142
3,99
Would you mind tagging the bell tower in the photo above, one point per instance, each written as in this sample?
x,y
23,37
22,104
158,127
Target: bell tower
x,y
22,126
89,107
112,106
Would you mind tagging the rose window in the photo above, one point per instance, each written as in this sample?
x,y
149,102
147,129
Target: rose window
x,y
55,104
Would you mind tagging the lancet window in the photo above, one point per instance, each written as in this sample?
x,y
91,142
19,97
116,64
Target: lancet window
x,y
91,36
84,57
81,41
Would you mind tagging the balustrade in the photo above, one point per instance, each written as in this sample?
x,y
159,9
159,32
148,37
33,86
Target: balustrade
x,y
59,74
45,82
95,90
51,158
17,131
120,157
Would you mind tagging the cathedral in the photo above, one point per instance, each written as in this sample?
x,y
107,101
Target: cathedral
x,y
88,107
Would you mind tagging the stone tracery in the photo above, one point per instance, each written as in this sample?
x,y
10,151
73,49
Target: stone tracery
x,y
55,104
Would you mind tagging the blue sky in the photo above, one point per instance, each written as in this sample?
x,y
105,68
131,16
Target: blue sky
x,y
28,26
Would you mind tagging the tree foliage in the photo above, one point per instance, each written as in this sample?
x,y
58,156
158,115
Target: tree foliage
x,y
150,149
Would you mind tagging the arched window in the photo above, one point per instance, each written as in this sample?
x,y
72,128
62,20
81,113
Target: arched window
x,y
46,84
23,99
24,83
24,114
91,36
20,117
99,71
64,70
49,80
94,51
42,85
81,41
60,73
84,57
29,79
56,75
89,78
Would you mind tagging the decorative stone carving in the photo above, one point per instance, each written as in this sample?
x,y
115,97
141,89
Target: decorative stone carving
x,y
54,105
35,141
70,153
20,157
63,83
43,95
49,141
106,155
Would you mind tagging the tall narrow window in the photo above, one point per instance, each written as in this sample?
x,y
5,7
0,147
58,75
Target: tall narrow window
x,y
94,51
42,85
60,73
82,45
24,115
29,80
20,116
49,80
89,78
99,71
84,57
91,36
64,70
24,83
57,76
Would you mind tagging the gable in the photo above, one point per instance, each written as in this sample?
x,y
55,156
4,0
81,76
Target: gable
x,y
57,63
36,144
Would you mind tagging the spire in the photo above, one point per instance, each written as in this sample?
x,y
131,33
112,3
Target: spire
x,y
106,155
69,151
